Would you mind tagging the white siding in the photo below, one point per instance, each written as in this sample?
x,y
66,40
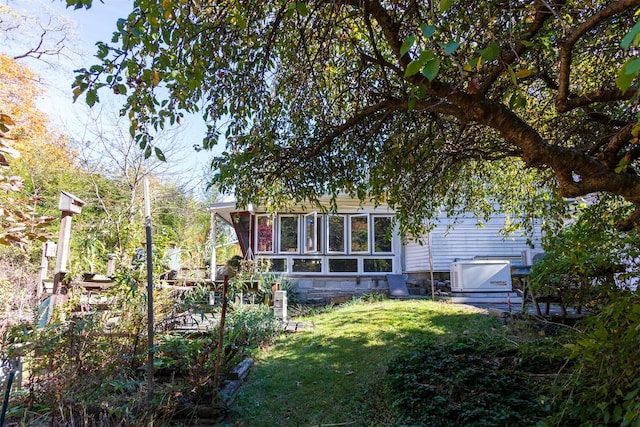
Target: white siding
x,y
465,241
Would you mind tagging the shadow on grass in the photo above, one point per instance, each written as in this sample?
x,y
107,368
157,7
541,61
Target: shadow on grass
x,y
332,374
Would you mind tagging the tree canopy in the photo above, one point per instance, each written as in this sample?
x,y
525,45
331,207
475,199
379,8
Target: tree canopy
x,y
419,104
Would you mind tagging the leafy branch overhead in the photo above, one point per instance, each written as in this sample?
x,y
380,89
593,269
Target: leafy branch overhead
x,y
421,104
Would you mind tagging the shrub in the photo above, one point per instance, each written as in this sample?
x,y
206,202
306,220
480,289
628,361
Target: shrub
x,y
603,384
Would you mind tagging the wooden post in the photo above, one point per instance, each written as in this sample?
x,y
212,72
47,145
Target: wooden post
x,y
68,205
213,260
111,264
216,373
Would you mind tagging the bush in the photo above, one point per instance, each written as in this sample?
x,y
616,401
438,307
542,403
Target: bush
x,y
603,384
89,368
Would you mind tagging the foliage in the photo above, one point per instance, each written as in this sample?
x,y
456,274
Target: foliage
x,y
19,219
603,385
588,262
421,105
88,367
465,382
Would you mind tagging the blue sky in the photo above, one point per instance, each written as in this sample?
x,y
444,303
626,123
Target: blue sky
x,y
87,28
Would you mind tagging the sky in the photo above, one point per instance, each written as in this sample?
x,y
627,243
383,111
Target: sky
x,y
86,28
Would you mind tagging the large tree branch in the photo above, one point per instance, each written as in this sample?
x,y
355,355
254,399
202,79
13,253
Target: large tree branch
x,y
566,46
542,13
599,95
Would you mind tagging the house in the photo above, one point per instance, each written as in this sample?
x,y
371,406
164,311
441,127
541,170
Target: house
x,y
352,251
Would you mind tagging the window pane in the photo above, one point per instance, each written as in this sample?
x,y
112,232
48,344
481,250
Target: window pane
x,y
278,265
343,265
359,233
301,265
311,232
265,233
288,234
336,233
378,265
382,234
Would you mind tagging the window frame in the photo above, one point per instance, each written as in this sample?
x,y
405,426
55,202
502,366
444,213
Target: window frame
x,y
258,236
344,234
315,233
373,235
366,228
297,231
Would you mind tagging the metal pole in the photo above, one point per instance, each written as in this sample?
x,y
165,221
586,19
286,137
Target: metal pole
x,y
5,402
150,332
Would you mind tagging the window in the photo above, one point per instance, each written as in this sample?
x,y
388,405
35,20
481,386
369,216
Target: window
x,y
265,233
360,233
307,265
278,265
382,234
289,234
335,233
343,265
311,233
378,265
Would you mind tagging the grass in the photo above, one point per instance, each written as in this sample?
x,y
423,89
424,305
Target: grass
x,y
331,375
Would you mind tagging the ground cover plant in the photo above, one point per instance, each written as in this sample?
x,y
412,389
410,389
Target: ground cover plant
x,y
362,361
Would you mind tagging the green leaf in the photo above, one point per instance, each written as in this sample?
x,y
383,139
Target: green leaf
x,y
451,47
625,79
411,105
445,5
407,44
302,8
160,154
512,74
628,40
622,165
632,66
147,152
430,70
490,52
91,97
413,67
427,30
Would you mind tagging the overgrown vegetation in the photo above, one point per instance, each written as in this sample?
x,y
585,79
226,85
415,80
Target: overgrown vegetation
x,y
88,368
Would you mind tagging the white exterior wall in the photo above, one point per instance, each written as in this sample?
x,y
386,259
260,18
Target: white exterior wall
x,y
465,241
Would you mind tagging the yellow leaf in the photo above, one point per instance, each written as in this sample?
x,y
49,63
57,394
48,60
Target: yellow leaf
x,y
525,72
156,78
6,120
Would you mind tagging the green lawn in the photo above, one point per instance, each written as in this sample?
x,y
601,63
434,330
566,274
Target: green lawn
x,y
331,375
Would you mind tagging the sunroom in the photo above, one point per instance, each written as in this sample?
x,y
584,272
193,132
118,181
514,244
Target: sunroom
x,y
348,251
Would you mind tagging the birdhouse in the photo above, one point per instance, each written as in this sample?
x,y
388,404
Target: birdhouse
x,y
70,203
